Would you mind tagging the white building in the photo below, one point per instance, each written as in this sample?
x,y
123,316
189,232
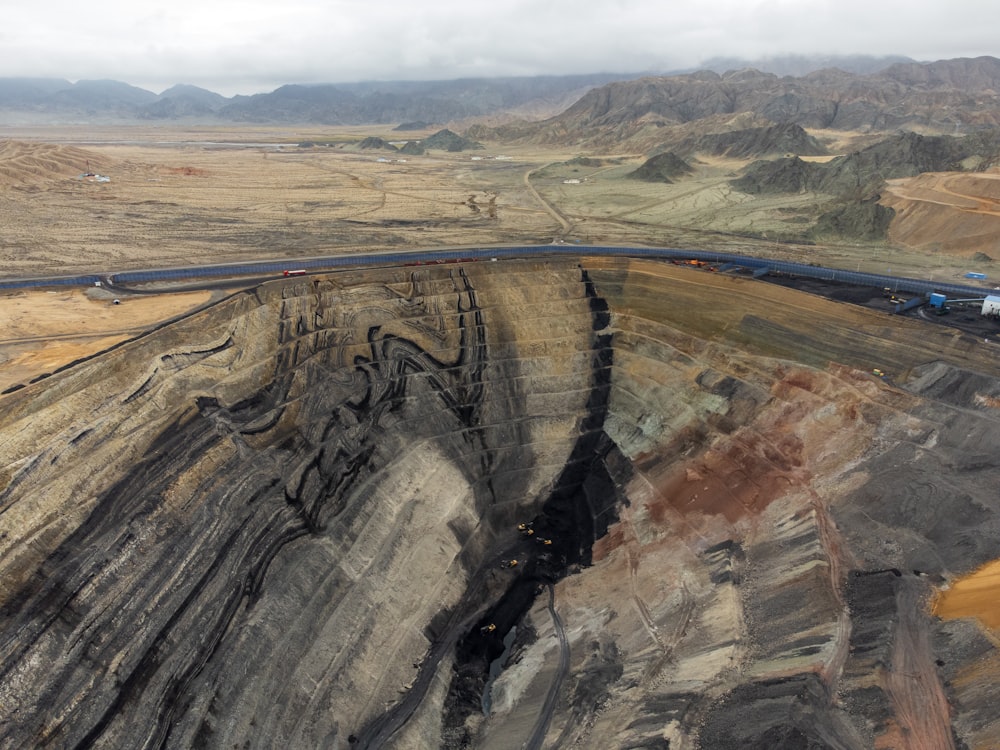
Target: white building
x,y
991,305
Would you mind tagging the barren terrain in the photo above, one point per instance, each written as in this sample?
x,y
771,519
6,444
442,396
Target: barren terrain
x,y
288,519
190,202
45,330
210,195
754,537
955,213
178,197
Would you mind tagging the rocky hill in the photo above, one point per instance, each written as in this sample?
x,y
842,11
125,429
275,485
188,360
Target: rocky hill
x,y
374,142
290,520
746,143
862,173
446,140
908,95
661,168
855,181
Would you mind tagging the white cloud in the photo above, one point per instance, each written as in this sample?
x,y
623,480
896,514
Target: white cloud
x,y
253,45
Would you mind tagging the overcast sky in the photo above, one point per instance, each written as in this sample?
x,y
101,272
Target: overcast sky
x,y
250,46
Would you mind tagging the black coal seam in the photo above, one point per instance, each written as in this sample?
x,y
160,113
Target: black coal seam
x,y
81,436
386,371
177,698
567,515
338,484
335,484
393,360
7,493
247,590
270,399
196,355
267,547
150,661
393,357
112,507
51,595
142,389
574,543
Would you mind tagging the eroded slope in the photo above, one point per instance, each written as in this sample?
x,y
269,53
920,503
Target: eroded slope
x,y
281,521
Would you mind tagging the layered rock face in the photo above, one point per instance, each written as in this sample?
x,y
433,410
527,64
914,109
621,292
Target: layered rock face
x,y
289,520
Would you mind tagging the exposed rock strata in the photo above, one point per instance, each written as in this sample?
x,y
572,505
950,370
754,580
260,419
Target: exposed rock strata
x,y
279,522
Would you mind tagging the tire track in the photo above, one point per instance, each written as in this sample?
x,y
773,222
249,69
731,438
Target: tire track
x,y
653,675
545,715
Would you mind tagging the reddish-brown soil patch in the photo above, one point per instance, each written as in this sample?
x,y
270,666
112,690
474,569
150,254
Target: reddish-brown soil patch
x,y
738,476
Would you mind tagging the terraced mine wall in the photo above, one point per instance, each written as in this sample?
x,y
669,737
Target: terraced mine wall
x,y
288,520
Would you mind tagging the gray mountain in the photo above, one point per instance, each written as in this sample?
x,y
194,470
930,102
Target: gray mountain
x,y
104,93
801,65
18,92
294,103
608,109
348,103
183,100
945,95
784,138
406,101
43,99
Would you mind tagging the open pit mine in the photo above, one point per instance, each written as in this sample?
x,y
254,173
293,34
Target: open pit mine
x,y
600,503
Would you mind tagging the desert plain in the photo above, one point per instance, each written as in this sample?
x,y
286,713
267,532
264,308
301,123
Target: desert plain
x,y
176,196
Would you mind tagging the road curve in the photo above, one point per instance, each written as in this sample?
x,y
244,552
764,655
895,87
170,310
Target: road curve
x,y
545,715
379,730
457,255
550,209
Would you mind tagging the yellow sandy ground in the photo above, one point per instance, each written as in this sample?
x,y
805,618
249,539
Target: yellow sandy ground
x,y
975,595
41,331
